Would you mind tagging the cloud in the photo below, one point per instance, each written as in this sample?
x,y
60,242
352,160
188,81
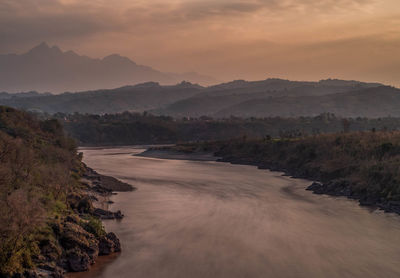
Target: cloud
x,y
28,19
25,21
223,37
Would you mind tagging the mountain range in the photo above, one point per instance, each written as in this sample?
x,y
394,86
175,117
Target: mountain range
x,y
49,69
265,98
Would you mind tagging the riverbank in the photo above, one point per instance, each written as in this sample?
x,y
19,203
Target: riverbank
x,y
79,237
363,166
51,203
166,152
193,219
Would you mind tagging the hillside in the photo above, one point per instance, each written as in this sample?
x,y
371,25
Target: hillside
x,y
139,98
49,69
47,221
371,102
135,129
266,98
271,97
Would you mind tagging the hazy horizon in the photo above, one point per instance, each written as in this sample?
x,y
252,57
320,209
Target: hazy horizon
x,y
228,40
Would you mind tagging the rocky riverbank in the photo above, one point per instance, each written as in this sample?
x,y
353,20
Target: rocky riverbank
x,y
76,240
334,187
337,173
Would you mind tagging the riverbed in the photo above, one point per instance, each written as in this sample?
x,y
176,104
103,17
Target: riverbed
x,y
192,219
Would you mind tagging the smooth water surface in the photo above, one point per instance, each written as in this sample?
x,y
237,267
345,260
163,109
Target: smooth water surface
x,y
192,219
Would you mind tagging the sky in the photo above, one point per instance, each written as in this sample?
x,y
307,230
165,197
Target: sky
x,y
226,39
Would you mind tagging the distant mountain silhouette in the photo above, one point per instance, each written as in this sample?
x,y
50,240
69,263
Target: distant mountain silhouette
x,y
139,98
49,69
270,97
242,97
376,102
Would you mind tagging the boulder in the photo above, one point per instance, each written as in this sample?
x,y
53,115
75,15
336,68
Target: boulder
x,y
106,214
78,260
43,273
74,237
117,245
50,250
109,244
316,187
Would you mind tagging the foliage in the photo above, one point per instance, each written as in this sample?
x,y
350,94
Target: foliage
x,y
36,162
368,161
133,128
94,226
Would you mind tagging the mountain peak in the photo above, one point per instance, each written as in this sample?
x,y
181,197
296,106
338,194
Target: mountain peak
x,y
116,58
186,84
48,68
150,84
44,49
40,47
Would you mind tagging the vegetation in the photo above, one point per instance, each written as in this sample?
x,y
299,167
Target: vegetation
x,y
360,165
265,98
133,128
39,169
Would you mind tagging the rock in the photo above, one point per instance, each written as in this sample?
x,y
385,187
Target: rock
x,y
93,198
106,214
72,218
74,237
109,244
99,189
73,200
39,272
50,271
118,215
81,203
85,205
78,260
105,246
316,187
112,184
105,184
394,203
72,248
368,201
390,206
117,245
50,250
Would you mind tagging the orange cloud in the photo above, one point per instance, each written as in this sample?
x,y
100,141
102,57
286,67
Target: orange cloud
x,y
299,39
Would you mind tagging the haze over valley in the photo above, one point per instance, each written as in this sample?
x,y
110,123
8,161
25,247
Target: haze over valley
x,y
266,98
199,138
49,69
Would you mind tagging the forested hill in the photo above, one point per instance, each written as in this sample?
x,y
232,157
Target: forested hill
x,y
141,97
133,128
265,98
46,225
36,163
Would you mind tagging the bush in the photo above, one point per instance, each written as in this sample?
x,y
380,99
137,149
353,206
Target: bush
x,y
94,226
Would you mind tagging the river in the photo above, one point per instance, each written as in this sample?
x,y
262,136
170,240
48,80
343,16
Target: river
x,y
192,219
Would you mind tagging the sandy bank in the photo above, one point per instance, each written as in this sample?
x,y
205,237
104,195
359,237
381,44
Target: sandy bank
x,y
177,155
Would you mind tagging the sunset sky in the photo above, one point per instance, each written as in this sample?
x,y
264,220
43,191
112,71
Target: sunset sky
x,y
227,39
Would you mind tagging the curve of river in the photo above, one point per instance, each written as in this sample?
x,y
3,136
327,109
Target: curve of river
x,y
194,219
